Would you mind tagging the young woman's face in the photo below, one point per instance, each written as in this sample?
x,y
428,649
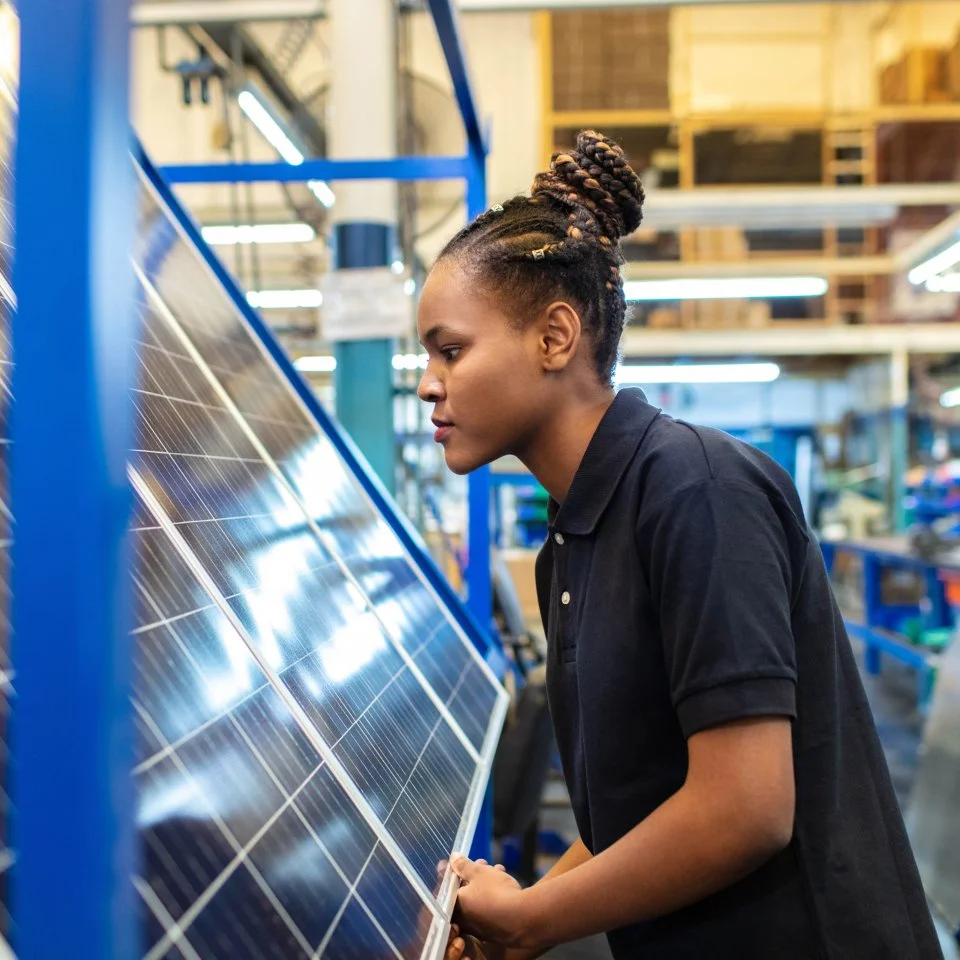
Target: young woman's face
x,y
485,377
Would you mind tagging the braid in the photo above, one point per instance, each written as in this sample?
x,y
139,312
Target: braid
x,y
563,240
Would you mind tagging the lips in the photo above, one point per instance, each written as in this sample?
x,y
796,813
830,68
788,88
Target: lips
x,y
444,429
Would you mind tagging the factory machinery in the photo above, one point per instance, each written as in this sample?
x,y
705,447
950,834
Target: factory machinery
x,y
315,723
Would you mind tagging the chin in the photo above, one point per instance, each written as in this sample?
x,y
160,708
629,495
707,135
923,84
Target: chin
x,y
462,463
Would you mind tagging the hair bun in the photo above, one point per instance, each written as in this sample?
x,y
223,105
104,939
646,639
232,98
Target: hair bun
x,y
598,176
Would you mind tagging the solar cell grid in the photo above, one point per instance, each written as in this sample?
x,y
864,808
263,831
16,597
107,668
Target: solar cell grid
x,y
333,499
332,657
251,847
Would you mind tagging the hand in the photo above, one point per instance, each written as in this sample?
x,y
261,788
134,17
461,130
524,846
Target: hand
x,y
490,901
470,948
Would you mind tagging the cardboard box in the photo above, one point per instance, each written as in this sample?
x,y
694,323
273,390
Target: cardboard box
x,y
663,318
521,564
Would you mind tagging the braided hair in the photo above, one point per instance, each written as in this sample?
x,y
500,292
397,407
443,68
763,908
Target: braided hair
x,y
562,242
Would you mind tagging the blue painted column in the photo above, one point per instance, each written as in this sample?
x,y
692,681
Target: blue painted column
x,y
72,733
363,381
363,123
899,435
479,579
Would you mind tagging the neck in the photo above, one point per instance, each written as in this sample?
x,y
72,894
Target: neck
x,y
555,453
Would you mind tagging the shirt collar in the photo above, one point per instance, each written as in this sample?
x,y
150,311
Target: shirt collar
x,y
606,459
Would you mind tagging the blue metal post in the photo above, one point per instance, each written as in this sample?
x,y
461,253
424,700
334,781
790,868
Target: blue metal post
x,y
872,571
899,462
479,580
479,577
73,825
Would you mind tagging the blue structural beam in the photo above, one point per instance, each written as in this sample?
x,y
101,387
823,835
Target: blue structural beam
x,y
400,168
479,577
447,21
72,428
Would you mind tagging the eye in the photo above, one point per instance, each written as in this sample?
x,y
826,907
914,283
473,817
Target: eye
x,y
450,353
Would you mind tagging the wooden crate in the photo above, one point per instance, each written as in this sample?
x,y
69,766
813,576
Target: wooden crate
x,y
921,75
953,70
611,59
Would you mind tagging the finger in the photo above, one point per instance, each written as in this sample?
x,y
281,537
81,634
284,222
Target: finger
x,y
482,861
455,950
464,868
500,867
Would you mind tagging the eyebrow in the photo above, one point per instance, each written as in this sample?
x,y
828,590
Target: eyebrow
x,y
433,333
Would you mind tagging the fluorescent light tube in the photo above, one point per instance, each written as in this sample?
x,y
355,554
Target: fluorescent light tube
x,y
697,373
725,288
951,398
272,132
948,283
930,268
322,192
285,299
277,137
410,361
316,364
227,236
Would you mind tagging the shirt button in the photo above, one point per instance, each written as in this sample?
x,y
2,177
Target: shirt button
x,y
565,597
559,538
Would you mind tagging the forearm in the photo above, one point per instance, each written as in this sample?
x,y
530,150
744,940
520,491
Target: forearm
x,y
684,851
576,855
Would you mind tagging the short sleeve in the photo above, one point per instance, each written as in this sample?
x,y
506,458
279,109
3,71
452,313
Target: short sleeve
x,y
718,562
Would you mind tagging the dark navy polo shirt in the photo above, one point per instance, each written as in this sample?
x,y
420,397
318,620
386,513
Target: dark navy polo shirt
x,y
680,589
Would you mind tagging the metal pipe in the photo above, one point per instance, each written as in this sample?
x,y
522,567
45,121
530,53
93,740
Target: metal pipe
x,y
800,339
785,267
155,13
401,168
929,243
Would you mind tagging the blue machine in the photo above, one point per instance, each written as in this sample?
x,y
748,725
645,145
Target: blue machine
x,y
313,714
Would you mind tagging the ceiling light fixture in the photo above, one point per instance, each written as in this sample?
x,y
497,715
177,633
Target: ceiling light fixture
x,y
228,236
634,373
285,299
930,268
410,361
277,137
316,364
951,398
731,288
948,283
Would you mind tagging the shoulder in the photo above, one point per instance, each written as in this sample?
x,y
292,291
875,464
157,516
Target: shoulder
x,y
679,461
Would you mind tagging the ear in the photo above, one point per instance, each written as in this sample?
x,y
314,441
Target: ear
x,y
560,331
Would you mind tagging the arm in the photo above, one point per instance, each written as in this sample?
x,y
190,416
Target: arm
x,y
733,813
575,856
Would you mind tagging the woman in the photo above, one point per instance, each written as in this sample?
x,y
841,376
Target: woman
x,y
725,774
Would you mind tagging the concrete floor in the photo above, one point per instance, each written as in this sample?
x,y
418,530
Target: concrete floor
x,y
893,698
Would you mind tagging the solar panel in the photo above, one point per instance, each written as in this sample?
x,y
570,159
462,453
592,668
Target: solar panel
x,y
294,662
314,727
251,846
339,510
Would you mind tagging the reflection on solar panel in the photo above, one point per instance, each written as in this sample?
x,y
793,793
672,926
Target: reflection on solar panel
x,y
315,730
339,512
287,640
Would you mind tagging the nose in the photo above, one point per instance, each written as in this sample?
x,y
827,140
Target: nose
x,y
430,389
